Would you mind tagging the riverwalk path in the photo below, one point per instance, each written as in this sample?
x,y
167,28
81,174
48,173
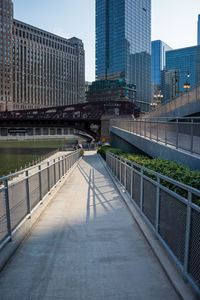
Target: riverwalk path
x,y
85,246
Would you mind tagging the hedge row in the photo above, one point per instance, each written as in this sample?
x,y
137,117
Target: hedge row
x,y
165,167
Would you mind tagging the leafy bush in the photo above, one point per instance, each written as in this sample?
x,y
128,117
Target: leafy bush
x,y
102,150
170,169
82,151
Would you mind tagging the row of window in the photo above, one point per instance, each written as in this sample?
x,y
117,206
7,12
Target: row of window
x,y
40,33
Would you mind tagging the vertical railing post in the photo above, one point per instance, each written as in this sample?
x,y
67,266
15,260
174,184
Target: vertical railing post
x,y
187,233
120,174
40,181
177,130
7,208
165,133
63,170
125,168
145,128
118,169
27,194
65,164
54,168
150,128
157,204
191,134
141,188
59,168
157,131
48,176
131,180
70,162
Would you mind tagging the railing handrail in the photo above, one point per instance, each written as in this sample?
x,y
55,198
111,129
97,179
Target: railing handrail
x,y
33,167
178,228
180,133
154,119
29,193
168,179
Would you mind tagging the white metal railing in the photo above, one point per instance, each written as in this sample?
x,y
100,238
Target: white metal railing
x,y
183,133
23,191
169,208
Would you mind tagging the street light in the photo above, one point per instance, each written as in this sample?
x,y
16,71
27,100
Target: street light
x,y
177,78
187,84
157,99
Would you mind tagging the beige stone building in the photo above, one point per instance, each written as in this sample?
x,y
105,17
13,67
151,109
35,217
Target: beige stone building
x,y
37,68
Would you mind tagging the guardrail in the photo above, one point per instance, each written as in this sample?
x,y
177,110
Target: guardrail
x,y
23,191
182,134
175,219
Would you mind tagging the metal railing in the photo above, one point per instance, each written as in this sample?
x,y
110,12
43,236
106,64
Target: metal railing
x,y
175,219
23,191
182,134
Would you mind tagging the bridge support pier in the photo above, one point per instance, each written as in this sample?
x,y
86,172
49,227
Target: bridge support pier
x,y
105,125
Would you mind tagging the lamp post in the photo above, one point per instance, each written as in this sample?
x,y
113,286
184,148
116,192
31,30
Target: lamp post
x,y
157,99
187,84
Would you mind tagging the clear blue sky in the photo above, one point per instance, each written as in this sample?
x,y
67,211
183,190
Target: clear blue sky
x,y
173,21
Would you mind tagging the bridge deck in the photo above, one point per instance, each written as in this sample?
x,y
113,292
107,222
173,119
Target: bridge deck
x,y
85,246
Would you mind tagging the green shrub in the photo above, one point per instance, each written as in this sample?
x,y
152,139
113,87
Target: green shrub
x,y
102,150
170,169
82,151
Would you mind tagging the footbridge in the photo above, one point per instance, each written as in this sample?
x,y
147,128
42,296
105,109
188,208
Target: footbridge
x,y
81,228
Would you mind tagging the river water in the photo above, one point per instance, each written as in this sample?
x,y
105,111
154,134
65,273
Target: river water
x,y
18,154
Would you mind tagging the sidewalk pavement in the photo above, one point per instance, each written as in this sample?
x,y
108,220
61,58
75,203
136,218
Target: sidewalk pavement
x,y
86,246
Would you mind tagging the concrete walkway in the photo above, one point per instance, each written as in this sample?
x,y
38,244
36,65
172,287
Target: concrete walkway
x,y
86,246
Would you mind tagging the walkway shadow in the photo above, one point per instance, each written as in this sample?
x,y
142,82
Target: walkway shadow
x,y
97,194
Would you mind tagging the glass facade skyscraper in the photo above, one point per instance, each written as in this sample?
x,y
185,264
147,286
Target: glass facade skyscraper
x,y
184,61
123,43
198,31
158,58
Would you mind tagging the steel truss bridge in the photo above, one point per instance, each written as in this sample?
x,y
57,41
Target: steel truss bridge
x,y
86,117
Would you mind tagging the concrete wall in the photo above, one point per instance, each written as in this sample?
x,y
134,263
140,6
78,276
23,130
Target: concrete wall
x,y
154,149
118,142
184,105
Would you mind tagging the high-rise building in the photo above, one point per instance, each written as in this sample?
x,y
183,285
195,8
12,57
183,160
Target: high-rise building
x,y
6,21
198,31
158,58
123,43
170,84
185,62
37,68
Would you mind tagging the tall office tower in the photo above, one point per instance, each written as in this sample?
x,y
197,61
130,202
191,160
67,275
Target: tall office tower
x,y
158,58
198,31
6,20
183,62
123,43
38,68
